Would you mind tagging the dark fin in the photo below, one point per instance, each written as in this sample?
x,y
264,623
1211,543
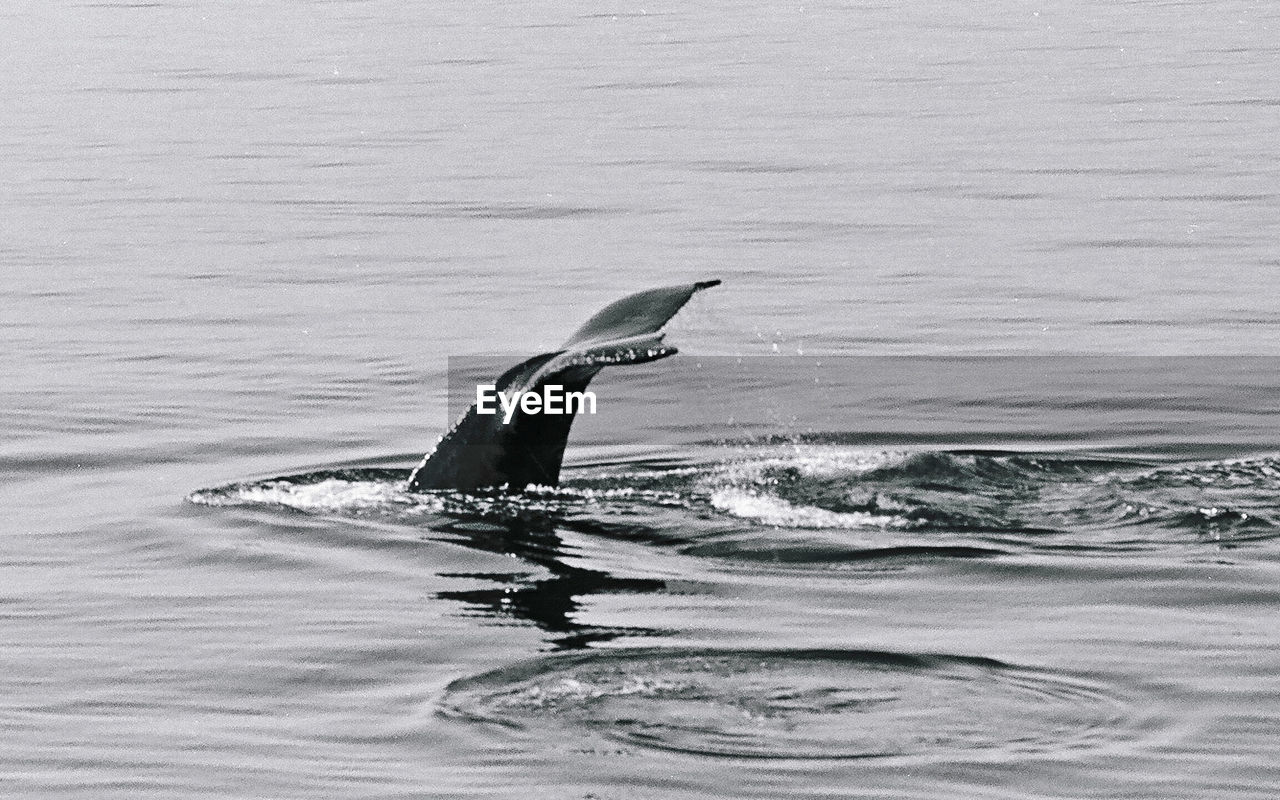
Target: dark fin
x,y
636,315
472,453
481,451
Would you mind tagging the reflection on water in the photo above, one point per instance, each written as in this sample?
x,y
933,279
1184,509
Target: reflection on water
x,y
550,603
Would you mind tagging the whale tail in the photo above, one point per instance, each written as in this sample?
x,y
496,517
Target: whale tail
x,y
487,450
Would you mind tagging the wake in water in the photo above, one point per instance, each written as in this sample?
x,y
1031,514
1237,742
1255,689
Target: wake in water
x,y
812,502
810,508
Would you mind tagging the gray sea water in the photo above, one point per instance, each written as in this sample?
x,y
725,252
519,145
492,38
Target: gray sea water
x,y
964,484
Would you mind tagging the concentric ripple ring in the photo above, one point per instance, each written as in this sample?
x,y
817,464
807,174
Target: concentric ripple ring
x,y
798,704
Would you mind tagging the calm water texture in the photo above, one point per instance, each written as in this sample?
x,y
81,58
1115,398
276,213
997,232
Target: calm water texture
x,y
965,483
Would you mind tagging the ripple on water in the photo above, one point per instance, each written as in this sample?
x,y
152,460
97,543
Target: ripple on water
x,y
799,704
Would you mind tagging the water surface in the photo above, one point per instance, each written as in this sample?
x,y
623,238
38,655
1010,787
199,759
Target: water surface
x,y
964,484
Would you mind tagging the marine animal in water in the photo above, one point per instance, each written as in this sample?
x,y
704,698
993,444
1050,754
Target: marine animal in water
x,y
515,448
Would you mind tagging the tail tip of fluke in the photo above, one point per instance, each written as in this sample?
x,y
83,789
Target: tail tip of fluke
x,y
707,284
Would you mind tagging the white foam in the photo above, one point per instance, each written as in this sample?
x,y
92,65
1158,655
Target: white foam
x,y
816,461
772,510
332,495
809,461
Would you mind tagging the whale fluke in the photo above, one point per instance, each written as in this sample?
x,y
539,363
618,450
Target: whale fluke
x,y
481,450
